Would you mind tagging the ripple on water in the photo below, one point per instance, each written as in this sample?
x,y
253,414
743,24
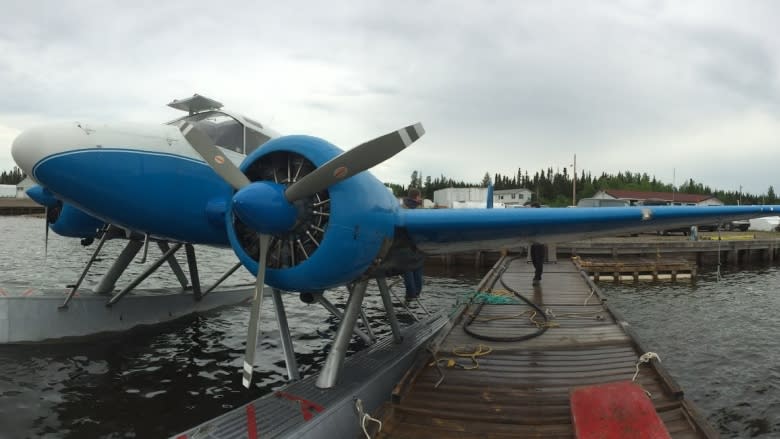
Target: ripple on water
x,y
153,383
718,339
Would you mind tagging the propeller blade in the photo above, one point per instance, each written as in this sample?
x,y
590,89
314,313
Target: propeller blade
x,y
213,156
356,160
46,235
254,316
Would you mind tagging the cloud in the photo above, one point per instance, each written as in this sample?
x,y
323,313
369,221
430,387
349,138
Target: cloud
x,y
648,86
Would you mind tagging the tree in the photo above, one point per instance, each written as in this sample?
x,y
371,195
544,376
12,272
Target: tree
x,y
12,177
486,180
771,198
413,183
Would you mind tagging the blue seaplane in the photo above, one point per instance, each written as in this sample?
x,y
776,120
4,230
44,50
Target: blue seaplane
x,y
300,213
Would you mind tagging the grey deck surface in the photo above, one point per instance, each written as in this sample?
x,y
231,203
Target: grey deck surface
x,y
521,388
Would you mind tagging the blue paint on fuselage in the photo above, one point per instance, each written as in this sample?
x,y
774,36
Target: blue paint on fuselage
x,y
42,196
76,223
181,199
165,195
363,215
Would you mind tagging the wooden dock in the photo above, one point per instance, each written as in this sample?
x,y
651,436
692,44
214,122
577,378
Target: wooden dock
x,y
636,268
19,206
521,388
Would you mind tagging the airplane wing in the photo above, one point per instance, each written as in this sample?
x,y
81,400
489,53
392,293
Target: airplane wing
x,y
437,231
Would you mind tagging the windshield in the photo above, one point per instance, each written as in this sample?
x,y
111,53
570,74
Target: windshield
x,y
227,132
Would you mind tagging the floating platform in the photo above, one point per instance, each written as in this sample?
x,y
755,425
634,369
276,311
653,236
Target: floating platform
x,y
28,315
522,388
636,268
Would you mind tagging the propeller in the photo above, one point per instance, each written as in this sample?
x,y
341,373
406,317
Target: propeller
x,y
46,235
214,157
274,201
358,159
254,315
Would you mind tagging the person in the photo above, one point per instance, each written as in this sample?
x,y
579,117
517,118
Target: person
x,y
537,257
413,279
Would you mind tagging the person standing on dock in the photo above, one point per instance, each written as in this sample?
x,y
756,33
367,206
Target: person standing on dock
x,y
537,257
413,279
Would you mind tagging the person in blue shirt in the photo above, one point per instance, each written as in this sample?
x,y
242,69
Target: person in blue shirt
x,y
413,279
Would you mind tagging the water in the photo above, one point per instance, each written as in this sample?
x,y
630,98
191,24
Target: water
x,y
718,339
155,383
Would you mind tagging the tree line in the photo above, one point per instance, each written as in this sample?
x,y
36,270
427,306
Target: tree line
x,y
554,188
13,176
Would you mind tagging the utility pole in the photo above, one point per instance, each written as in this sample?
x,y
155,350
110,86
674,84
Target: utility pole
x,y
574,183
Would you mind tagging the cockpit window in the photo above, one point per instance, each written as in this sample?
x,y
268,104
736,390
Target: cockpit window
x,y
227,132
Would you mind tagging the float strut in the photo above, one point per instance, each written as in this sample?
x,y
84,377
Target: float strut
x,y
119,266
284,333
336,312
387,301
335,360
151,269
193,265
174,264
222,279
86,269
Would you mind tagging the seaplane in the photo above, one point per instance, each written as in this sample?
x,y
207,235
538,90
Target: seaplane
x,y
301,214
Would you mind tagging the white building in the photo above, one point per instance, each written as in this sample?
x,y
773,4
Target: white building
x,y
452,196
21,188
7,191
512,197
671,198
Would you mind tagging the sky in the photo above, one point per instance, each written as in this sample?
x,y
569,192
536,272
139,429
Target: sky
x,y
679,90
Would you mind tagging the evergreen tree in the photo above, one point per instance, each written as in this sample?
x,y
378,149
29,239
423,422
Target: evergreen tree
x,y
486,180
13,176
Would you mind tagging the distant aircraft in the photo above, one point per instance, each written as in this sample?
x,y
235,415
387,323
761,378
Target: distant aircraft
x,y
299,213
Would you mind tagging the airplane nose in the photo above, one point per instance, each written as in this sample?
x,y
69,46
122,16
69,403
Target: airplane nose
x,y
35,144
27,149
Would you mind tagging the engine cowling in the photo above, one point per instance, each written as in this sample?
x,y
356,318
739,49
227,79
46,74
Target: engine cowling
x,y
337,234
63,218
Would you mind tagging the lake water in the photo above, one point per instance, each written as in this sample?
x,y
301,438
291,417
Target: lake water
x,y
717,338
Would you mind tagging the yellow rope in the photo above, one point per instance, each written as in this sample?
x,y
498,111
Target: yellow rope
x,y
480,351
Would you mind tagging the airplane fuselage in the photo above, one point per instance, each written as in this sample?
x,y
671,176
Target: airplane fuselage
x,y
145,178
149,180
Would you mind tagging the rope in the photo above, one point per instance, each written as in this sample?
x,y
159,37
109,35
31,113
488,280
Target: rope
x,y
365,417
592,290
480,351
645,358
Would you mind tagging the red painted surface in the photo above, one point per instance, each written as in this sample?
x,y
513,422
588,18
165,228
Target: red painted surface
x,y
307,407
615,411
251,422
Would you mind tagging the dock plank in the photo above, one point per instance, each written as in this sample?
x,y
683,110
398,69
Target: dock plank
x,y
521,388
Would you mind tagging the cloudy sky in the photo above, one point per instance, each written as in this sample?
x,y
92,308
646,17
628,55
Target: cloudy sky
x,y
689,88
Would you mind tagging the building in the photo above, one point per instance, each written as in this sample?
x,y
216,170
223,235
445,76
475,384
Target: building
x,y
512,197
671,198
460,196
21,188
474,197
7,191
